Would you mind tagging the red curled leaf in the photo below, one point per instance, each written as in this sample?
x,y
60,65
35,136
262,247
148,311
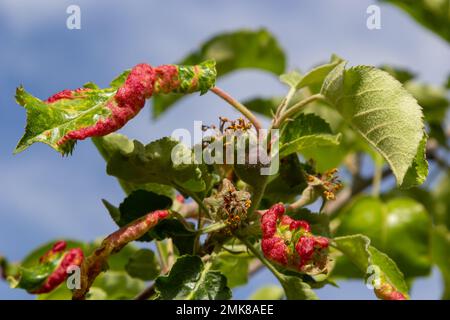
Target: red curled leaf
x,y
275,249
305,249
73,257
72,115
97,262
387,292
291,244
50,272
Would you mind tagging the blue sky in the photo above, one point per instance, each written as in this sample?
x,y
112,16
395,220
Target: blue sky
x,y
44,196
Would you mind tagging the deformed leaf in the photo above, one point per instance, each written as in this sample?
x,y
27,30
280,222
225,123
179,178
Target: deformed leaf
x,y
72,115
232,51
384,114
306,131
190,279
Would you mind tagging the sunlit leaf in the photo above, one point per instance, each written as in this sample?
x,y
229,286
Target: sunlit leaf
x,y
385,114
190,279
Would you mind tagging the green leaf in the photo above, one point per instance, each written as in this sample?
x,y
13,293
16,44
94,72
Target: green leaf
x,y
33,257
270,292
291,79
232,51
358,250
120,79
190,279
317,75
441,256
182,237
289,182
400,228
50,122
233,266
434,15
143,265
383,113
113,284
118,143
72,115
136,205
306,131
153,164
117,285
296,289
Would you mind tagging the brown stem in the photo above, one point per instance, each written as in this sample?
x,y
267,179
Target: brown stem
x,y
147,293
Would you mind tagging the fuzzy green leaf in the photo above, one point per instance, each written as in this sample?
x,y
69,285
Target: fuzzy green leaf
x,y
358,250
306,131
384,113
233,51
190,279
